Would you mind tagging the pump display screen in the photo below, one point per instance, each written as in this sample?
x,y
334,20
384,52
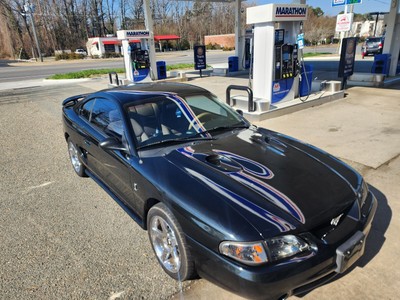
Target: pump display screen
x,y
279,36
285,56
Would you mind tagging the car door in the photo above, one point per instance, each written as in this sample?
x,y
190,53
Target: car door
x,y
112,167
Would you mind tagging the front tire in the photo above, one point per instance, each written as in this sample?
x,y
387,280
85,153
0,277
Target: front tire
x,y
169,244
79,168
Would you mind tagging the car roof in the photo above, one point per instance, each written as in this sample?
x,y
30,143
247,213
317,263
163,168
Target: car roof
x,y
140,91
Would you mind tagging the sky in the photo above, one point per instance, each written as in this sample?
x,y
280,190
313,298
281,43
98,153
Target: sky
x,y
326,5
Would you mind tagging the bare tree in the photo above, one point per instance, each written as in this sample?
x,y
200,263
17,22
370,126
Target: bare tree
x,y
318,27
67,24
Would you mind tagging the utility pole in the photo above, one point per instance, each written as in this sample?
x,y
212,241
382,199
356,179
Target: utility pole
x,y
30,9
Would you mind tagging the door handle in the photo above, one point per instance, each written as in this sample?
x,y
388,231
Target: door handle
x,y
87,143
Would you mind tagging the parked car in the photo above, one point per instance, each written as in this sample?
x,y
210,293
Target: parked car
x,y
81,52
255,211
372,45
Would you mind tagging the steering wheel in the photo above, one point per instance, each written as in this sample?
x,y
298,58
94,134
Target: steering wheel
x,y
198,117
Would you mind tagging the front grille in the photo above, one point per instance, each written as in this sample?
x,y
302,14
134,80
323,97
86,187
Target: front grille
x,y
330,232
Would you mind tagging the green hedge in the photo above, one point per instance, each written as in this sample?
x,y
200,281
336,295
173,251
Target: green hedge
x,y
69,56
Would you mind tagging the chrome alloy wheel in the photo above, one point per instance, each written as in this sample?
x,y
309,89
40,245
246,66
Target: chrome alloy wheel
x,y
73,155
165,244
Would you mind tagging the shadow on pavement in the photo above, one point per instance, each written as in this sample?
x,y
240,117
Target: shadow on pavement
x,y
5,63
380,224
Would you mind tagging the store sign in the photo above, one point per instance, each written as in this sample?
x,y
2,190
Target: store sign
x,y
276,13
344,22
347,55
125,34
288,11
200,58
344,2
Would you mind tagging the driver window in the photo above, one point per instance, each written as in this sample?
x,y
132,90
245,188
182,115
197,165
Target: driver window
x,y
107,118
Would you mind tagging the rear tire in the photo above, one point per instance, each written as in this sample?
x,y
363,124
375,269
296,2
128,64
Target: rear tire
x,y
169,244
73,152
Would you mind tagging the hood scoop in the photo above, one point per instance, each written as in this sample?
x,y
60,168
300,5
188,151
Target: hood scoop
x,y
223,163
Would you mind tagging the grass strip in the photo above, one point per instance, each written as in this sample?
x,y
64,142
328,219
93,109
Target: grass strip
x,y
96,72
311,54
85,73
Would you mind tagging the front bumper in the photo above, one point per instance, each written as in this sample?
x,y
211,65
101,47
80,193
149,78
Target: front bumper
x,y
284,279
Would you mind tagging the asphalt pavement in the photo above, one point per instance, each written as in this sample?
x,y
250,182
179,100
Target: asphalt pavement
x,y
63,237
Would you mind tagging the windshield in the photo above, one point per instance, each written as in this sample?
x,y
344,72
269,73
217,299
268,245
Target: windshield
x,y
373,40
172,119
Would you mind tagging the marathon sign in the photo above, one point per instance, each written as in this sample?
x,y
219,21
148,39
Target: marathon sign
x,y
285,11
276,13
126,34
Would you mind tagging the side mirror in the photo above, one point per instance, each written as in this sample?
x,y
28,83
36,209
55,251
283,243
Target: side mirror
x,y
240,112
112,144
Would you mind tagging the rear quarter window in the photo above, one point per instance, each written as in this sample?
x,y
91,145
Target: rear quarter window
x,y
86,109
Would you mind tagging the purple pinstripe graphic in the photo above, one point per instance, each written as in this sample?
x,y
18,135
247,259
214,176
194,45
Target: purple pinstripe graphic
x,y
251,177
263,171
278,222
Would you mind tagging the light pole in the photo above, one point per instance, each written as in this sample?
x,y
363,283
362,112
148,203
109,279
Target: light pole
x,y
30,9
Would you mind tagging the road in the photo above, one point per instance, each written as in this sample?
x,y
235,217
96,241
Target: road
x,y
325,68
27,71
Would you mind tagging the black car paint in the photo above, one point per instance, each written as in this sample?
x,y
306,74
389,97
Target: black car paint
x,y
207,218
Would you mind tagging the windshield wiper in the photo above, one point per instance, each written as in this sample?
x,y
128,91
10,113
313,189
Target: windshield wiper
x,y
178,141
218,128
237,126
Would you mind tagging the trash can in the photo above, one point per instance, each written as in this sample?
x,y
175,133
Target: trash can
x,y
161,70
233,64
381,64
398,66
306,80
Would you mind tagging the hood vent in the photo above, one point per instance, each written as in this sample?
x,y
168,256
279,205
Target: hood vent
x,y
223,163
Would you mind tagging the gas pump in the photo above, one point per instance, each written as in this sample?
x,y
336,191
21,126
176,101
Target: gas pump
x,y
140,64
286,62
136,57
275,66
286,66
248,48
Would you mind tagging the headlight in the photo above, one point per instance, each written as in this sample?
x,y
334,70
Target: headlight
x,y
362,193
247,253
286,246
261,252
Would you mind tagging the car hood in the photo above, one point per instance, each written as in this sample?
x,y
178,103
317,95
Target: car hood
x,y
269,176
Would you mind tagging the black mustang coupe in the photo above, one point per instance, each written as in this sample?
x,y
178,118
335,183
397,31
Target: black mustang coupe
x,y
257,212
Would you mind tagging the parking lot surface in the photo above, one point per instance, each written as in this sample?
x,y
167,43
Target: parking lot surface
x,y
63,237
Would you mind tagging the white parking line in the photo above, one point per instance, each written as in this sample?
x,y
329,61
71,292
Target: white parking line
x,y
39,186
